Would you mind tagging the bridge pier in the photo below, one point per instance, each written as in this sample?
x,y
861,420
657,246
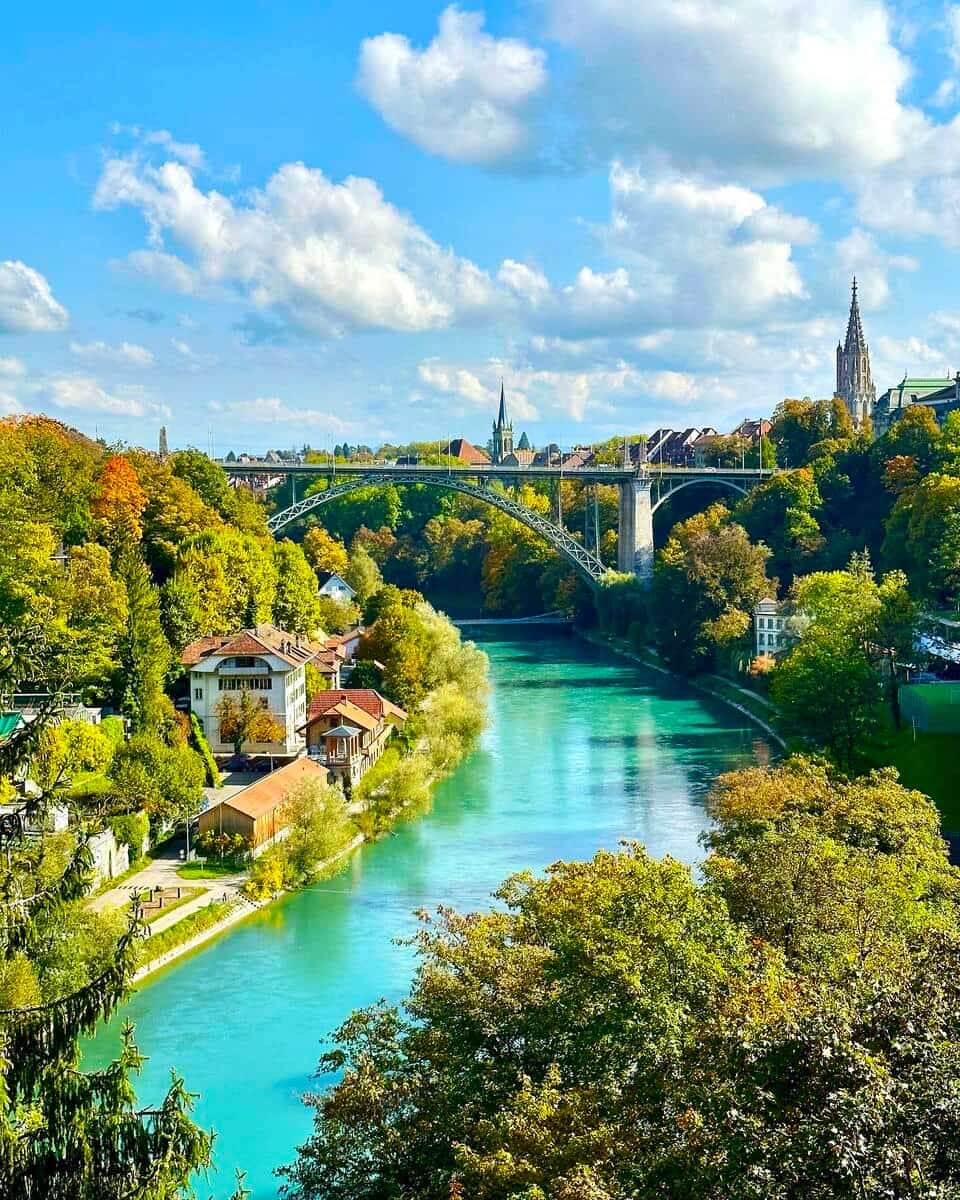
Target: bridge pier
x,y
635,529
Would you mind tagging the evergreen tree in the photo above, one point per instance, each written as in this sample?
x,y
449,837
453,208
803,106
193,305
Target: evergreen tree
x,y
144,652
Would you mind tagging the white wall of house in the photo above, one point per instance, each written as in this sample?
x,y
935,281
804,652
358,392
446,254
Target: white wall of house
x,y
768,627
338,589
278,685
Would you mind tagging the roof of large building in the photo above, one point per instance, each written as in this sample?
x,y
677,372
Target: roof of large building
x,y
466,452
261,639
267,793
367,699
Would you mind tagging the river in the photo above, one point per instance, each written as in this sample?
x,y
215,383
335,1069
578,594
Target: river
x,y
583,749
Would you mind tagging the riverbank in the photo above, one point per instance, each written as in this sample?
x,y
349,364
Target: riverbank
x,y
704,684
582,750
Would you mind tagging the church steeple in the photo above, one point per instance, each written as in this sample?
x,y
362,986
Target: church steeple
x,y
854,381
502,431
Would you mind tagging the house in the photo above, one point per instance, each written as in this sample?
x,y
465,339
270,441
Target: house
x,y
519,458
754,430
579,456
264,660
472,455
768,623
348,729
940,401
704,447
336,587
259,812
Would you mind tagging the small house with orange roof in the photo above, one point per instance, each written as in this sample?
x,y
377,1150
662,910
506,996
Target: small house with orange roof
x,y
348,729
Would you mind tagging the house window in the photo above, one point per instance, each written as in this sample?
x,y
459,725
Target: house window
x,y
198,693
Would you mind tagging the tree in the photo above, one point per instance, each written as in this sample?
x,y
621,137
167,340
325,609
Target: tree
x,y
916,532
798,425
296,606
614,1029
324,552
164,781
916,435
118,504
828,691
97,610
144,655
244,720
362,574
781,513
67,1134
707,579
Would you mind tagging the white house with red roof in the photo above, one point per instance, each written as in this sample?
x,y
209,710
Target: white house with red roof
x,y
266,661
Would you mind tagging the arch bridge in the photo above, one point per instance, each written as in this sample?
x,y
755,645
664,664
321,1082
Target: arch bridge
x,y
642,490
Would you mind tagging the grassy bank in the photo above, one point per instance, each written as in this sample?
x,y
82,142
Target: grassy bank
x,y
198,922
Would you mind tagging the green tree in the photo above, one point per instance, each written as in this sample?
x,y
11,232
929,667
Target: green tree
x,y
797,426
144,655
164,781
707,579
296,606
362,573
781,512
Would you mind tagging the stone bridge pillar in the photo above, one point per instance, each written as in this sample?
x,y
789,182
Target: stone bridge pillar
x,y
635,529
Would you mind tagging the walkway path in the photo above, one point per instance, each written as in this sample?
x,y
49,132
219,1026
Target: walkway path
x,y
162,872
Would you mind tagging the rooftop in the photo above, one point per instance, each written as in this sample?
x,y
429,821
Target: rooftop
x,y
267,793
261,639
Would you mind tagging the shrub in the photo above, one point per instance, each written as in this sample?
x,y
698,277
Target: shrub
x,y
130,829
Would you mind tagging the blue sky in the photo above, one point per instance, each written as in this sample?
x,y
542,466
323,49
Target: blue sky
x,y
270,223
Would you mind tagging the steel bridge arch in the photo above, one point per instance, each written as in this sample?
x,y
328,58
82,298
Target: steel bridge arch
x,y
664,496
588,564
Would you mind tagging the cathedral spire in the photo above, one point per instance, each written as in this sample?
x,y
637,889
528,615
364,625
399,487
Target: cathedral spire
x,y
854,381
502,414
502,444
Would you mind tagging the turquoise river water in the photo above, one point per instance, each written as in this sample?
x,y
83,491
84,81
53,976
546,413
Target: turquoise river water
x,y
583,749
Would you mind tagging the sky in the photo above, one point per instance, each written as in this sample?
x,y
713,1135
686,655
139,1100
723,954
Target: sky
x,y
274,222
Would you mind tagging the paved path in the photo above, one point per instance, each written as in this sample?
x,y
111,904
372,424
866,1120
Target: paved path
x,y
162,872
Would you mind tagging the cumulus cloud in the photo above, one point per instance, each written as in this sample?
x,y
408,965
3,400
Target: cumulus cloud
x,y
331,257
186,152
84,393
27,304
693,252
466,96
9,405
751,85
127,354
271,410
11,366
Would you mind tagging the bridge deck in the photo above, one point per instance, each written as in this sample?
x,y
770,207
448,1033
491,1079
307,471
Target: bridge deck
x,y
601,474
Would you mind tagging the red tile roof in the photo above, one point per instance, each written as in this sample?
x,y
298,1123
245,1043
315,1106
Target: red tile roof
x,y
261,639
368,699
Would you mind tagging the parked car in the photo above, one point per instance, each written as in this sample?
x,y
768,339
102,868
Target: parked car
x,y
182,704
239,762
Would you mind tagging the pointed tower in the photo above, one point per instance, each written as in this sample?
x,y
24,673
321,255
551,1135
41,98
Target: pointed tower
x,y
502,431
854,381
162,447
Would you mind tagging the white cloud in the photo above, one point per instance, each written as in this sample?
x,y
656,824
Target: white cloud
x,y
11,366
329,256
195,360
896,357
85,394
464,97
271,410
751,85
187,152
164,269
692,252
859,254
127,354
27,304
9,405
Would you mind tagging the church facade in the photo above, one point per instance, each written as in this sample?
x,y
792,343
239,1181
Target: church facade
x,y
502,442
854,381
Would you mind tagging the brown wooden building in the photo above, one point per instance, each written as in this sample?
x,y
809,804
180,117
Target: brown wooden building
x,y
258,812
